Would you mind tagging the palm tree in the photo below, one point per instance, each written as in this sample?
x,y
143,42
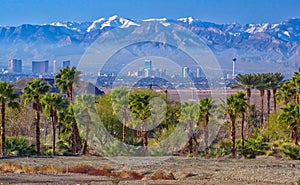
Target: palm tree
x,y
246,81
33,92
7,98
205,106
190,115
295,82
53,102
232,109
276,81
286,92
65,80
261,86
291,115
139,105
83,107
119,98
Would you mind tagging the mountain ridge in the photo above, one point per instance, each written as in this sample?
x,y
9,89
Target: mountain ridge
x,y
263,43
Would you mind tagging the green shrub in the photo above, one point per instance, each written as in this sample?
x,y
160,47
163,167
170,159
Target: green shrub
x,y
18,146
292,152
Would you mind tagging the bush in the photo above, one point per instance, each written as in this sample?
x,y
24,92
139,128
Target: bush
x,y
292,152
18,146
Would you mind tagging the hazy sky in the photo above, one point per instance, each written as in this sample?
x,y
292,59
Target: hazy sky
x,y
16,12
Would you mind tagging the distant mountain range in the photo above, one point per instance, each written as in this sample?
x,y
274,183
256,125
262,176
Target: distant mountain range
x,y
258,47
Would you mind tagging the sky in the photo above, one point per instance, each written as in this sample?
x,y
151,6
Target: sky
x,y
17,12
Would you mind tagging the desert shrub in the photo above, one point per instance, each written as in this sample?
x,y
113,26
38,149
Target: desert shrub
x,y
18,146
162,175
275,129
254,147
292,152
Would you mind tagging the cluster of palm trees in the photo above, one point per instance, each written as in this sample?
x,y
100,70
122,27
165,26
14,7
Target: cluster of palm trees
x,y
264,82
196,116
37,93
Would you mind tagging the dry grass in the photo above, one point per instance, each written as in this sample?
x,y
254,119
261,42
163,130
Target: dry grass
x,y
162,175
108,171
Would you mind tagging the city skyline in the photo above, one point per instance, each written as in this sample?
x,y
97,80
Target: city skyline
x,y
219,11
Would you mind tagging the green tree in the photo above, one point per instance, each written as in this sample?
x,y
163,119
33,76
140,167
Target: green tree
x,y
189,115
247,82
33,92
262,86
84,108
233,107
276,80
286,92
120,105
52,103
65,80
139,105
7,98
291,115
205,106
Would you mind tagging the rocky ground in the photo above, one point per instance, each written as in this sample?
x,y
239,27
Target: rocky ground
x,y
185,170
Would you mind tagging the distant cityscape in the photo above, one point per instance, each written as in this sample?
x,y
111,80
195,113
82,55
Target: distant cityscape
x,y
141,77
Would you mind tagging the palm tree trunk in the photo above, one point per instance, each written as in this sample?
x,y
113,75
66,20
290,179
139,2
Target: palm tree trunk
x,y
145,138
274,99
54,122
268,101
124,126
295,136
87,132
242,129
37,129
206,131
3,129
262,92
232,130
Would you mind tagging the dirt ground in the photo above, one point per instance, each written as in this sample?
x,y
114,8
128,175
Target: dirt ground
x,y
186,171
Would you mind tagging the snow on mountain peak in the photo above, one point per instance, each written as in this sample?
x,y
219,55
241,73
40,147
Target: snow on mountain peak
x,y
58,24
186,19
155,19
93,25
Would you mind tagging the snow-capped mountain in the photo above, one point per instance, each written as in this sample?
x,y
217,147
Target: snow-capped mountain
x,y
253,43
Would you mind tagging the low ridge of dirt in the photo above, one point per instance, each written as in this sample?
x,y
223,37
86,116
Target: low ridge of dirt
x,y
183,170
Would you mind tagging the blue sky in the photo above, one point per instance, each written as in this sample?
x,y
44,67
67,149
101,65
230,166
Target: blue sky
x,y
16,12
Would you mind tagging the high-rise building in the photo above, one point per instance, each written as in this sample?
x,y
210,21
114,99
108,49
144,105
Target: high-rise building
x,y
40,67
54,66
15,66
198,73
66,63
185,72
148,64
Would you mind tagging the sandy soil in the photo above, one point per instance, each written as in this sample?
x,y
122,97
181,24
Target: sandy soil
x,y
187,171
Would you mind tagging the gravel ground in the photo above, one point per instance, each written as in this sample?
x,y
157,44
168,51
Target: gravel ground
x,y
187,171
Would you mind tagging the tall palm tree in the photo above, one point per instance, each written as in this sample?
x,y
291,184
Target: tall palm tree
x,y
65,80
277,79
291,115
84,106
33,92
205,106
140,107
119,98
7,98
190,115
52,103
246,81
286,92
295,82
261,86
232,109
